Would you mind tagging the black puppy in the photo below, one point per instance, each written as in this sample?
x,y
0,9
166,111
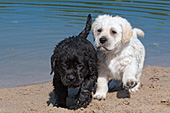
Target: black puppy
x,y
74,63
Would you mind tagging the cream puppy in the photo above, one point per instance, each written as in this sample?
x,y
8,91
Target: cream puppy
x,y
121,55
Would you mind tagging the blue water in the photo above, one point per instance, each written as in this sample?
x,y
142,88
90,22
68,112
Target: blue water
x,y
30,29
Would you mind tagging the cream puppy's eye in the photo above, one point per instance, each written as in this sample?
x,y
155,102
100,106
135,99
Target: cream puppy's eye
x,y
99,30
113,32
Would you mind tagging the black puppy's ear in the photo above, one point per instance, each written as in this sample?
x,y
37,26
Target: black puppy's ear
x,y
92,67
87,29
53,60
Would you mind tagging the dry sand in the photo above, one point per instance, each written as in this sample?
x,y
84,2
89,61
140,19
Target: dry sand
x,y
153,97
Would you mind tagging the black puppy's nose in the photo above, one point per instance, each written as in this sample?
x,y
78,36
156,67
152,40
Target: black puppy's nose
x,y
71,77
103,39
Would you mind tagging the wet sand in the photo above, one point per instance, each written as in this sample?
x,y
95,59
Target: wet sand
x,y
153,97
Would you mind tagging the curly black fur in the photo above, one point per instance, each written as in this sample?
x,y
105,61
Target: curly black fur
x,y
74,63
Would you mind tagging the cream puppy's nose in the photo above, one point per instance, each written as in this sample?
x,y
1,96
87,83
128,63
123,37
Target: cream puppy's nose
x,y
103,39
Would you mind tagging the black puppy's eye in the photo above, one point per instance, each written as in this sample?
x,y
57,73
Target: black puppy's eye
x,y
99,30
63,66
113,32
79,65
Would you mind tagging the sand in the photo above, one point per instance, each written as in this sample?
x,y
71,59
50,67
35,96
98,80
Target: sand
x,y
153,97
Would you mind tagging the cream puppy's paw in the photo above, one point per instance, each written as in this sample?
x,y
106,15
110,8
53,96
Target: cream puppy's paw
x,y
130,83
135,89
99,96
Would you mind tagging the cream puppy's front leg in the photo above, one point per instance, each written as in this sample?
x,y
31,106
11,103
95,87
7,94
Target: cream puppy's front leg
x,y
129,77
102,87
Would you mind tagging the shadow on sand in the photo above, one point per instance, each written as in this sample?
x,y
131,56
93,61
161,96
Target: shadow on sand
x,y
70,99
121,93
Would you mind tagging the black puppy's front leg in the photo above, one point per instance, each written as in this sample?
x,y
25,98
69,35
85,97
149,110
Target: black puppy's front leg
x,y
61,93
85,93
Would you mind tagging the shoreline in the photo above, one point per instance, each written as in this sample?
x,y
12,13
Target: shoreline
x,y
153,96
32,84
51,76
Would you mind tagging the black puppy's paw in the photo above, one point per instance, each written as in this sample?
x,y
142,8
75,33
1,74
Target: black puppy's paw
x,y
83,99
73,107
63,105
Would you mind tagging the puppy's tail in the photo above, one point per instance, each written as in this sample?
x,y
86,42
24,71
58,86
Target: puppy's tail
x,y
138,32
86,30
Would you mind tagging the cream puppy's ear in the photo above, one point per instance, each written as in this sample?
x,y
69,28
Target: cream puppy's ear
x,y
93,27
97,22
127,31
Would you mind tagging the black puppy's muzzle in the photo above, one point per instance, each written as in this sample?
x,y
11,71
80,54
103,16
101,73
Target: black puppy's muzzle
x,y
71,78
